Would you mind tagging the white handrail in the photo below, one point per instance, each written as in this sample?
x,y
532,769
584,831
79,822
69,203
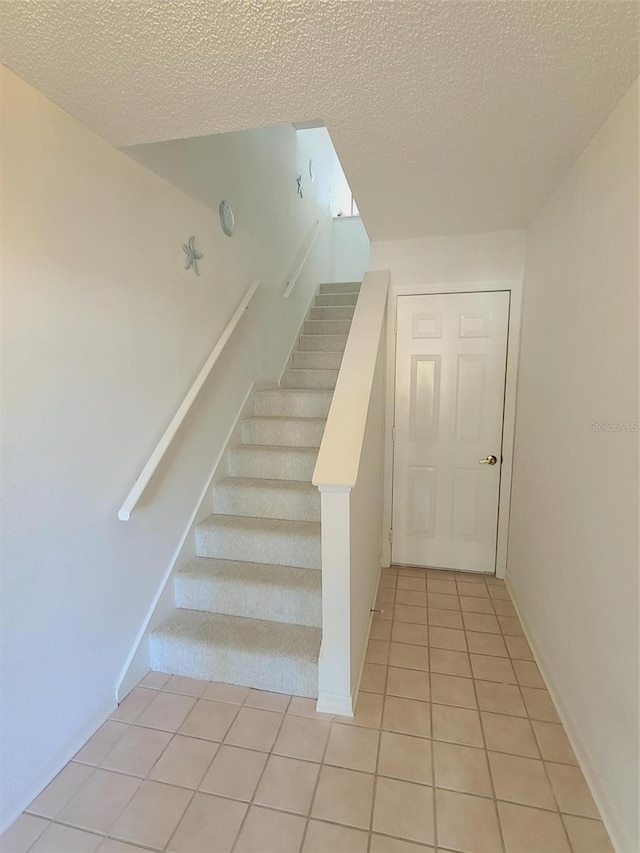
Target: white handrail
x,y
339,455
291,283
124,513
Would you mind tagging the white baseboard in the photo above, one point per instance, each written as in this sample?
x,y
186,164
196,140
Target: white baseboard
x,y
137,663
333,703
617,835
19,802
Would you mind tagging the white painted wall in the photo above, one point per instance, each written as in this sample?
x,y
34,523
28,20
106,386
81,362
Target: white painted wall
x,y
103,333
351,249
573,546
466,262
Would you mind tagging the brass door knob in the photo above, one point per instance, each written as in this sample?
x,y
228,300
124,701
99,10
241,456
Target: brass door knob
x,y
488,460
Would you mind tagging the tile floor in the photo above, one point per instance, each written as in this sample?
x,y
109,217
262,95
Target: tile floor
x,y
455,746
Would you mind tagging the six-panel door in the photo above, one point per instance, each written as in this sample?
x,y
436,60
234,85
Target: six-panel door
x,y
450,375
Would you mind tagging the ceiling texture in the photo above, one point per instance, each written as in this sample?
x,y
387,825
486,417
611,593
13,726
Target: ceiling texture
x,y
449,116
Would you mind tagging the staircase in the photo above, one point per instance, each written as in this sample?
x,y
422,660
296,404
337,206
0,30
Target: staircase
x,y
249,606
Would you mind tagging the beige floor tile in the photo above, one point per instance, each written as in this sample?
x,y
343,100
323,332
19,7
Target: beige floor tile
x,y
466,823
411,597
110,845
65,839
509,734
528,674
266,831
521,780
301,707
288,784
409,656
461,768
166,711
477,590
504,608
406,716
457,725
226,693
374,677
405,582
267,701
443,587
447,638
384,844
527,830
476,605
539,705
378,652
22,833
412,572
137,751
329,838
404,810
489,668
405,613
368,711
452,690
510,626
482,622
210,823
408,683
184,762
187,686
234,773
155,680
60,790
486,644
380,628
448,662
302,737
133,704
440,601
406,632
344,796
152,815
444,618
405,757
101,743
353,747
587,836
554,743
571,790
254,729
498,591
100,801
210,720
500,698
518,648
473,577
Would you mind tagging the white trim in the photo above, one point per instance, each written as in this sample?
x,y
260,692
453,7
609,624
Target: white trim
x,y
124,513
515,288
582,753
332,703
19,802
137,663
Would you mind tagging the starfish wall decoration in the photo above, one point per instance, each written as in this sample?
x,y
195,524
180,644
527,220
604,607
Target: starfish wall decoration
x,y
299,183
192,256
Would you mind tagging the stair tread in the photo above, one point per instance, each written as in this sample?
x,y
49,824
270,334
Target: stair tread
x,y
261,525
265,483
239,633
277,448
263,574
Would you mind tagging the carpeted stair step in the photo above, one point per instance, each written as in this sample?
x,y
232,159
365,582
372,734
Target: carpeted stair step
x,y
314,378
260,540
252,590
319,343
272,463
327,327
258,498
340,287
331,312
336,299
286,432
266,655
309,360
292,403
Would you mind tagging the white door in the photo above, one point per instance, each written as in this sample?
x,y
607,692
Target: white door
x,y
450,374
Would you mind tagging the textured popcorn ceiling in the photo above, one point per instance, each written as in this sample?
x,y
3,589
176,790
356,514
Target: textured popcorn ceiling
x,y
448,116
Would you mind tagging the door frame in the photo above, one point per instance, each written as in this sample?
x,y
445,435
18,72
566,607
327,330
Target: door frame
x,y
515,289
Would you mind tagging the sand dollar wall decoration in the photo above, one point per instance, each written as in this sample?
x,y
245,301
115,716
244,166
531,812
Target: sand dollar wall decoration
x,y
227,219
